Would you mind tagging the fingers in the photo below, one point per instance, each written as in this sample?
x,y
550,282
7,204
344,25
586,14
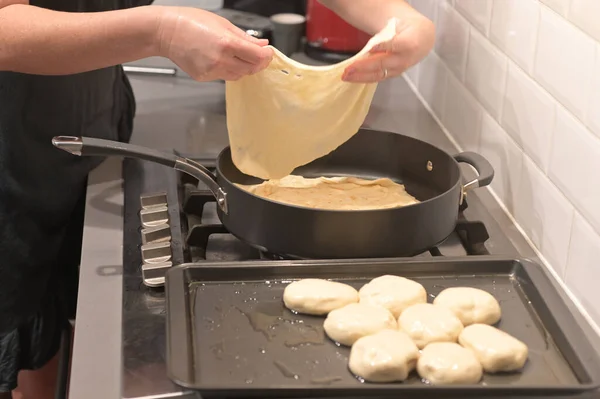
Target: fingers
x,y
229,75
374,68
236,67
245,36
247,51
240,66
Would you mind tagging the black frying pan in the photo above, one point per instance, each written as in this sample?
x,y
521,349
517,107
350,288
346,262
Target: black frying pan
x,y
428,173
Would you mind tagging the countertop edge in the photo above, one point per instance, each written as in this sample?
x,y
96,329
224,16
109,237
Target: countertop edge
x,y
98,333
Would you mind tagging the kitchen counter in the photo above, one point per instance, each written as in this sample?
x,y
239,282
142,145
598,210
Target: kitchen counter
x,y
172,114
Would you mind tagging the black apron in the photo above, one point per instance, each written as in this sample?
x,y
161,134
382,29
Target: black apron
x,y
42,189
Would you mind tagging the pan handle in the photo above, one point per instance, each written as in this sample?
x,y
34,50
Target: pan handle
x,y
87,146
484,169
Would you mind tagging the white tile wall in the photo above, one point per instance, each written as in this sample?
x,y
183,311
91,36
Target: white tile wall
x,y
519,81
564,61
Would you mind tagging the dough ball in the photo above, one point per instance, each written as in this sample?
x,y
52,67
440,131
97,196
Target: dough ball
x,y
470,305
386,356
443,363
318,297
347,324
426,323
496,350
393,293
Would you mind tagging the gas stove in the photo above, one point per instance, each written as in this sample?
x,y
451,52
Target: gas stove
x,y
204,238
170,220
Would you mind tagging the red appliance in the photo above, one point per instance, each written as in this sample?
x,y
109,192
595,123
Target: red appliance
x,y
328,33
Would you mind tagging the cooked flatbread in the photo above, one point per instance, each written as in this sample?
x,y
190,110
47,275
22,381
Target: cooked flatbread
x,y
335,193
290,113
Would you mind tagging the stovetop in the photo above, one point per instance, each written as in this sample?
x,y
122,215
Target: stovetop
x,y
168,220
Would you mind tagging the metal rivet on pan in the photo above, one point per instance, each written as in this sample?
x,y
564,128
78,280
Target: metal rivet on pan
x,y
429,166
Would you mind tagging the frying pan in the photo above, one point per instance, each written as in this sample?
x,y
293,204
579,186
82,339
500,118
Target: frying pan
x,y
428,173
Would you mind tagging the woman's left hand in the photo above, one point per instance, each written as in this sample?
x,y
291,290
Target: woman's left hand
x,y
413,41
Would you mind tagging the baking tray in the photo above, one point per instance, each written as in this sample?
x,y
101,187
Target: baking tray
x,y
229,335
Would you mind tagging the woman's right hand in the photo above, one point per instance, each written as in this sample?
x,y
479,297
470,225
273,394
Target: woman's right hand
x,y
209,47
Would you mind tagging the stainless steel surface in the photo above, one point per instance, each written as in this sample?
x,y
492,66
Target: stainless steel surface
x,y
112,309
150,70
156,253
96,371
154,274
69,144
156,234
156,216
154,199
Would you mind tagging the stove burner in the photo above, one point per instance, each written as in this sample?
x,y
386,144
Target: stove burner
x,y
471,234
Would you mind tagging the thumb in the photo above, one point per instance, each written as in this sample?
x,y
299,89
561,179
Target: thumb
x,y
387,39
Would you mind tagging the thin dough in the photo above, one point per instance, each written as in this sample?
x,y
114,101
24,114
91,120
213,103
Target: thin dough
x,y
444,363
393,293
290,114
387,356
338,193
346,325
426,323
496,350
470,305
318,297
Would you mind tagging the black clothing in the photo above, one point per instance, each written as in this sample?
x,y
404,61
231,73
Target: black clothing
x,y
42,195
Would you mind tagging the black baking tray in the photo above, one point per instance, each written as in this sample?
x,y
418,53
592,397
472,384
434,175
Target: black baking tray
x,y
229,335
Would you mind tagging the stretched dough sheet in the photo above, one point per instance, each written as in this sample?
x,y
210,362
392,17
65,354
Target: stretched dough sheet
x,y
290,113
334,193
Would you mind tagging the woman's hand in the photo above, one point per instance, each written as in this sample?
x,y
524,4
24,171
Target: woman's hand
x,y
209,47
413,41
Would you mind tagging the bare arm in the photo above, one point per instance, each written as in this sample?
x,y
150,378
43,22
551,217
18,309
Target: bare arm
x,y
371,15
43,42
415,36
39,41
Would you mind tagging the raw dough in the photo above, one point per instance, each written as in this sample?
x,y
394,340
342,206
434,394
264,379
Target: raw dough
x,y
426,323
339,193
496,350
346,325
449,363
470,305
290,114
317,297
386,356
392,292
